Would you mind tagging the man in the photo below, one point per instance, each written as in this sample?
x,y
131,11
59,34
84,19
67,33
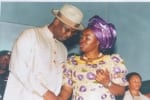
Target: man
x,y
4,65
38,56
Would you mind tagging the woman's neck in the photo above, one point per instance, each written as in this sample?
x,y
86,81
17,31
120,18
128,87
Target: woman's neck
x,y
135,92
92,56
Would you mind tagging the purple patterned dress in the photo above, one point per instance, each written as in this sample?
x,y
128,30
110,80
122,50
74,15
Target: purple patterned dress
x,y
80,75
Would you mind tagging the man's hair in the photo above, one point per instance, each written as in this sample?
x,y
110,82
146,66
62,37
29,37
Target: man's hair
x,y
5,52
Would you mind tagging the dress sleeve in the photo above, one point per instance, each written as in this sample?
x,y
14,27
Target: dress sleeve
x,y
67,73
118,70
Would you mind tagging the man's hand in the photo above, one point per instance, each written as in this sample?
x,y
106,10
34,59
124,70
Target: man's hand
x,y
50,96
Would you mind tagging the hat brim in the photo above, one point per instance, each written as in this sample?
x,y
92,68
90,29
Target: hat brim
x,y
55,13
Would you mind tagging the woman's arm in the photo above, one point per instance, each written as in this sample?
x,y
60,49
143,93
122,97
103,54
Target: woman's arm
x,y
116,89
103,78
65,93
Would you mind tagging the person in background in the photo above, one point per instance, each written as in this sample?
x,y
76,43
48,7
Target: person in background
x,y
94,75
4,72
134,84
38,56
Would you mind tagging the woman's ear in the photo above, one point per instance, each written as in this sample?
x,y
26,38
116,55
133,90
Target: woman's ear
x,y
98,43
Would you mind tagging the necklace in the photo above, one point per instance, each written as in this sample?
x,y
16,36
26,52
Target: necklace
x,y
91,59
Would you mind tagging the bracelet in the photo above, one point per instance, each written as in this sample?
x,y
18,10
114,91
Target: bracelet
x,y
109,84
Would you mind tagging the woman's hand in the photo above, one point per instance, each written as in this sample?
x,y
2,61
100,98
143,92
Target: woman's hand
x,y
102,76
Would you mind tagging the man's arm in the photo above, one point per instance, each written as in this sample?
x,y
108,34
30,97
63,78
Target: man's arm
x,y
50,96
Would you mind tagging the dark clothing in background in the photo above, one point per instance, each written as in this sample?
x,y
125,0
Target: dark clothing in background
x,y
3,81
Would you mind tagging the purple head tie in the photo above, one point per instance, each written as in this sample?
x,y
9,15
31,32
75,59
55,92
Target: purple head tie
x,y
104,32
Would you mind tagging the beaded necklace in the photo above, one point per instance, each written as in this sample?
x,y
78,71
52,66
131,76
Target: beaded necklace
x,y
91,59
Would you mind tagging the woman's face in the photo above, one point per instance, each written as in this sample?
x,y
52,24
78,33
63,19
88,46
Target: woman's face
x,y
135,83
88,41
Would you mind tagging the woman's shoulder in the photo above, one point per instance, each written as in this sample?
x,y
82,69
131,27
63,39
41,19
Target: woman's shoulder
x,y
73,57
116,58
112,56
144,97
127,95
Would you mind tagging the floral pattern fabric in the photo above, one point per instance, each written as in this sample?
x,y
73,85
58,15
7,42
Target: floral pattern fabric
x,y
80,75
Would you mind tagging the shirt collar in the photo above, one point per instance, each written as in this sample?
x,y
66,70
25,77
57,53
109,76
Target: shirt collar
x,y
47,32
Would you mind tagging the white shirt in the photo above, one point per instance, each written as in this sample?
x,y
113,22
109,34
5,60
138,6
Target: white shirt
x,y
128,96
35,66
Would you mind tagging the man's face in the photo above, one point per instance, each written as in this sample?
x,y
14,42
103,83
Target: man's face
x,y
4,62
64,31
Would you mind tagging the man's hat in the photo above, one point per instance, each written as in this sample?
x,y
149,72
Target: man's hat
x,y
70,15
5,52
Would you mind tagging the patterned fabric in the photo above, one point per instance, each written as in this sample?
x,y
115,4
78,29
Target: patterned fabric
x,y
80,75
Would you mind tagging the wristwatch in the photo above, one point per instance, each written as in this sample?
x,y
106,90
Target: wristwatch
x,y
108,85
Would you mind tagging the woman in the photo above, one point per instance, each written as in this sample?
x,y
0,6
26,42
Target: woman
x,y
94,76
133,93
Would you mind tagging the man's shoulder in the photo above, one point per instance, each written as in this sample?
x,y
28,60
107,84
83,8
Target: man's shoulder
x,y
28,31
33,28
26,35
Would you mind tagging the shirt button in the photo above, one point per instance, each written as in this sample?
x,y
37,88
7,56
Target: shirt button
x,y
54,61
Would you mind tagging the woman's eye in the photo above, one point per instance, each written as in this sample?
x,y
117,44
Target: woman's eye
x,y
88,38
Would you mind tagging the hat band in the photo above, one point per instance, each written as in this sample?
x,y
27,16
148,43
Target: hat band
x,y
60,15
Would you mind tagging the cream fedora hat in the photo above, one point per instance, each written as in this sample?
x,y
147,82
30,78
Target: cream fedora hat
x,y
70,15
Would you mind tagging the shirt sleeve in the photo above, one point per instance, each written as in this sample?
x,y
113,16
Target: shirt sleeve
x,y
118,70
21,64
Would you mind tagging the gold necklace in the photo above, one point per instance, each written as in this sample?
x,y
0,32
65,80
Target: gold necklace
x,y
91,59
